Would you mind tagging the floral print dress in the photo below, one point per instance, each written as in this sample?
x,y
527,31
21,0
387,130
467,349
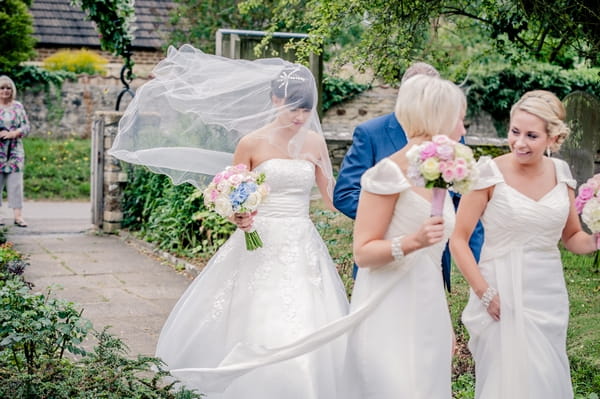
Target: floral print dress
x,y
12,153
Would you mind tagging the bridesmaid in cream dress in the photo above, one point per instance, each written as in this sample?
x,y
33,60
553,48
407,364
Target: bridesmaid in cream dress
x,y
518,308
403,348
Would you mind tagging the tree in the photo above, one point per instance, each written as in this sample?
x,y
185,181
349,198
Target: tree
x,y
114,21
16,34
396,32
197,21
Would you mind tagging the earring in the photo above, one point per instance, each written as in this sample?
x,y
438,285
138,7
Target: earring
x,y
548,152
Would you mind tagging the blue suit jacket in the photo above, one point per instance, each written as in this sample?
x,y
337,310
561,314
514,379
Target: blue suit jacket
x,y
371,142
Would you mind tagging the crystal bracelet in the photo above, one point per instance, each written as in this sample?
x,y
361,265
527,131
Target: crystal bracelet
x,y
397,251
488,295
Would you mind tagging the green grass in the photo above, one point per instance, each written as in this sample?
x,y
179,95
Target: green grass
x,y
57,169
583,284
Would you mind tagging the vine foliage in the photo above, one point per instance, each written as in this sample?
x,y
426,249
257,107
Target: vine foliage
x,y
114,21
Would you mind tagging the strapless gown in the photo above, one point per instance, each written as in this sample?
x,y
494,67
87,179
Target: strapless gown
x,y
522,356
262,298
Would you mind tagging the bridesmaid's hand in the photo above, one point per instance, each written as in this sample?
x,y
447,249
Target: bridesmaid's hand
x,y
431,231
243,221
494,308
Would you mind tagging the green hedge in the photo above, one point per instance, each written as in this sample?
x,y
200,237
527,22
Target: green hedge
x,y
495,88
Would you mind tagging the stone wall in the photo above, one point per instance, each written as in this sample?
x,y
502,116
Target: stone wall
x,y
107,177
70,112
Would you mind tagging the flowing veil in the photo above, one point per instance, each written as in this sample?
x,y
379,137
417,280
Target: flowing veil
x,y
187,120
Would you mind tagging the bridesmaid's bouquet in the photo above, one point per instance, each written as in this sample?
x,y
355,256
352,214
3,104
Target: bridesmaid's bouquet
x,y
441,164
237,190
587,203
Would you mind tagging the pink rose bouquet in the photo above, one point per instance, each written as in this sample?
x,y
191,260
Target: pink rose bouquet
x,y
237,190
441,164
587,203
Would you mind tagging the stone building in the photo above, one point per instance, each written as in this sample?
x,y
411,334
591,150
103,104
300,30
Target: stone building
x,y
58,26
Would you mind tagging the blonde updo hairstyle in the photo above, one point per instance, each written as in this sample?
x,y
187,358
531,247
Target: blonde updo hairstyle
x,y
6,79
427,106
546,106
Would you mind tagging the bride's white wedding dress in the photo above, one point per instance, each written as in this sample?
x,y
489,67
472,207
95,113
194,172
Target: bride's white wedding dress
x,y
523,356
267,297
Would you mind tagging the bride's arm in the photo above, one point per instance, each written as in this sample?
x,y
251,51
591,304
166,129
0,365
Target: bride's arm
x,y
242,155
325,188
573,237
243,152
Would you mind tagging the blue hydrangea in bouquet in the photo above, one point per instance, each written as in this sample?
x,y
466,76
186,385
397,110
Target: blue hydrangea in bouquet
x,y
237,190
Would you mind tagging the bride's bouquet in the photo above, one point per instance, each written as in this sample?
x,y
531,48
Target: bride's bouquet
x,y
237,190
441,164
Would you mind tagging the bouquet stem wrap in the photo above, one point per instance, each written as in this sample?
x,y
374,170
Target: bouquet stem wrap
x,y
253,240
437,201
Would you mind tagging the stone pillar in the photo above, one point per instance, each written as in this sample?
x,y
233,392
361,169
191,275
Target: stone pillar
x,y
108,178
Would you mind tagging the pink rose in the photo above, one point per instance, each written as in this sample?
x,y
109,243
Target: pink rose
x,y
460,171
428,151
579,204
586,192
448,175
445,151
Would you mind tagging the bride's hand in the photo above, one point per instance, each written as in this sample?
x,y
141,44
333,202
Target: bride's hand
x,y
431,231
243,221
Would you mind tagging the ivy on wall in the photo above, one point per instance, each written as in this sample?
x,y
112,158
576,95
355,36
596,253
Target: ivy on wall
x,y
114,21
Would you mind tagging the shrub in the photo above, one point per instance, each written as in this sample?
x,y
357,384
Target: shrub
x,y
173,217
494,88
41,354
79,61
337,90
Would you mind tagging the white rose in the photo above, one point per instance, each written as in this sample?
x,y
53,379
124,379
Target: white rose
x,y
223,206
264,189
253,201
591,215
430,169
413,154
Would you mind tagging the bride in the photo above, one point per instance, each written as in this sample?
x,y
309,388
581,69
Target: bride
x,y
266,297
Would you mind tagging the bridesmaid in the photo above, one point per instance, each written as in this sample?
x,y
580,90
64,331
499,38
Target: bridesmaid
x,y
403,349
518,308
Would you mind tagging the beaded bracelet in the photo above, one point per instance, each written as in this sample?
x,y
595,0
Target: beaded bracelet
x,y
488,295
397,251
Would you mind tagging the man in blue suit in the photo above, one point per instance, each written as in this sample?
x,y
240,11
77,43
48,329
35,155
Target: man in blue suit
x,y
372,141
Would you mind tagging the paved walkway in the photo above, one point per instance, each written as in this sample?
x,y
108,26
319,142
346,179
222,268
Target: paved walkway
x,y
116,282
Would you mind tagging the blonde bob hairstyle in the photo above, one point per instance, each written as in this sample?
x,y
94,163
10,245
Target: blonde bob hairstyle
x,y
5,79
546,106
427,106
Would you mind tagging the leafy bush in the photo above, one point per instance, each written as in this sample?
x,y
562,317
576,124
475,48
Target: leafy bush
x,y
494,88
41,352
36,334
173,217
337,90
79,61
32,77
16,36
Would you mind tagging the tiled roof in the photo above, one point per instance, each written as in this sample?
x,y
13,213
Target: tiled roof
x,y
58,23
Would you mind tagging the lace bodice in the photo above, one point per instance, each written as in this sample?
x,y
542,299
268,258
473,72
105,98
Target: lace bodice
x,y
525,222
291,181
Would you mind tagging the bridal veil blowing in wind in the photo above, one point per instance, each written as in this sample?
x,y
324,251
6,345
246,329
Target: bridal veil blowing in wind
x,y
198,115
